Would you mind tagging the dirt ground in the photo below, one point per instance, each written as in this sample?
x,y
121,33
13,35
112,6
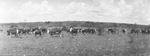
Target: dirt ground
x,y
80,45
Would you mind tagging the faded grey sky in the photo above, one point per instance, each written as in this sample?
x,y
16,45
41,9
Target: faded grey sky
x,y
121,11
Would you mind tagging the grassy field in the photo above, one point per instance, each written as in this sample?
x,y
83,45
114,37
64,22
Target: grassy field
x,y
80,45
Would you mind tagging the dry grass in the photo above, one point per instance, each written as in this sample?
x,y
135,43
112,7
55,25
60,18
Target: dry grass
x,y
81,45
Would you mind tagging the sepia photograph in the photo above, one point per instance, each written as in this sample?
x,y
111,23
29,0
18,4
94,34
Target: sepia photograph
x,y
74,27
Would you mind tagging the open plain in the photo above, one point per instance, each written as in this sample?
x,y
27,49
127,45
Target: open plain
x,y
119,44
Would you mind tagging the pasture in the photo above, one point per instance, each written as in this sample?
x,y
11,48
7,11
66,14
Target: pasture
x,y
120,44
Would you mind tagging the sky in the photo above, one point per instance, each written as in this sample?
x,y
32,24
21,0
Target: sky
x,y
119,11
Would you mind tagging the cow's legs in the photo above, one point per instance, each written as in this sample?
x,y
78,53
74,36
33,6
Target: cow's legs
x,y
17,36
40,34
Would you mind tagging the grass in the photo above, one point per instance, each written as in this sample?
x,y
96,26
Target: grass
x,y
81,45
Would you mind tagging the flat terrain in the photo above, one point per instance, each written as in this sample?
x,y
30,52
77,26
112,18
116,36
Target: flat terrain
x,y
80,45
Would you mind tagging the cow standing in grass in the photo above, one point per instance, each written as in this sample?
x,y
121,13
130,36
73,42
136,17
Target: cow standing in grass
x,y
24,31
34,29
134,31
43,30
28,31
144,31
38,32
100,31
56,32
75,31
111,30
12,32
148,31
88,31
124,30
21,31
66,29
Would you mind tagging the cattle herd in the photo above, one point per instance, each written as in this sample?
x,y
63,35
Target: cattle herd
x,y
73,31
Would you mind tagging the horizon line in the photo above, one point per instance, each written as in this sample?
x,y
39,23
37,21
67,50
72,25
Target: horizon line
x,y
71,21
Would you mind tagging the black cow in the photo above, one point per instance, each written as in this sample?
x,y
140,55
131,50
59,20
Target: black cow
x,y
33,29
28,31
123,31
11,32
100,31
75,31
111,30
55,32
24,31
44,30
148,31
21,31
134,31
88,31
144,31
66,29
38,32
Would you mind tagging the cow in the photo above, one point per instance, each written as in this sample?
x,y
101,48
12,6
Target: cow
x,y
75,30
124,30
11,32
21,31
38,32
55,32
28,31
33,29
134,31
24,31
148,31
100,31
111,30
88,31
43,30
144,31
66,29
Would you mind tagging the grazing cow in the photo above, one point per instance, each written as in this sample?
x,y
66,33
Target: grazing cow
x,y
21,31
144,31
134,31
44,30
66,29
11,32
28,31
148,31
111,30
55,32
100,31
33,29
124,30
75,30
88,31
38,32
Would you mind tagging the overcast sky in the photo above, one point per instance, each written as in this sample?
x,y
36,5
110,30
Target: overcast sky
x,y
121,11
